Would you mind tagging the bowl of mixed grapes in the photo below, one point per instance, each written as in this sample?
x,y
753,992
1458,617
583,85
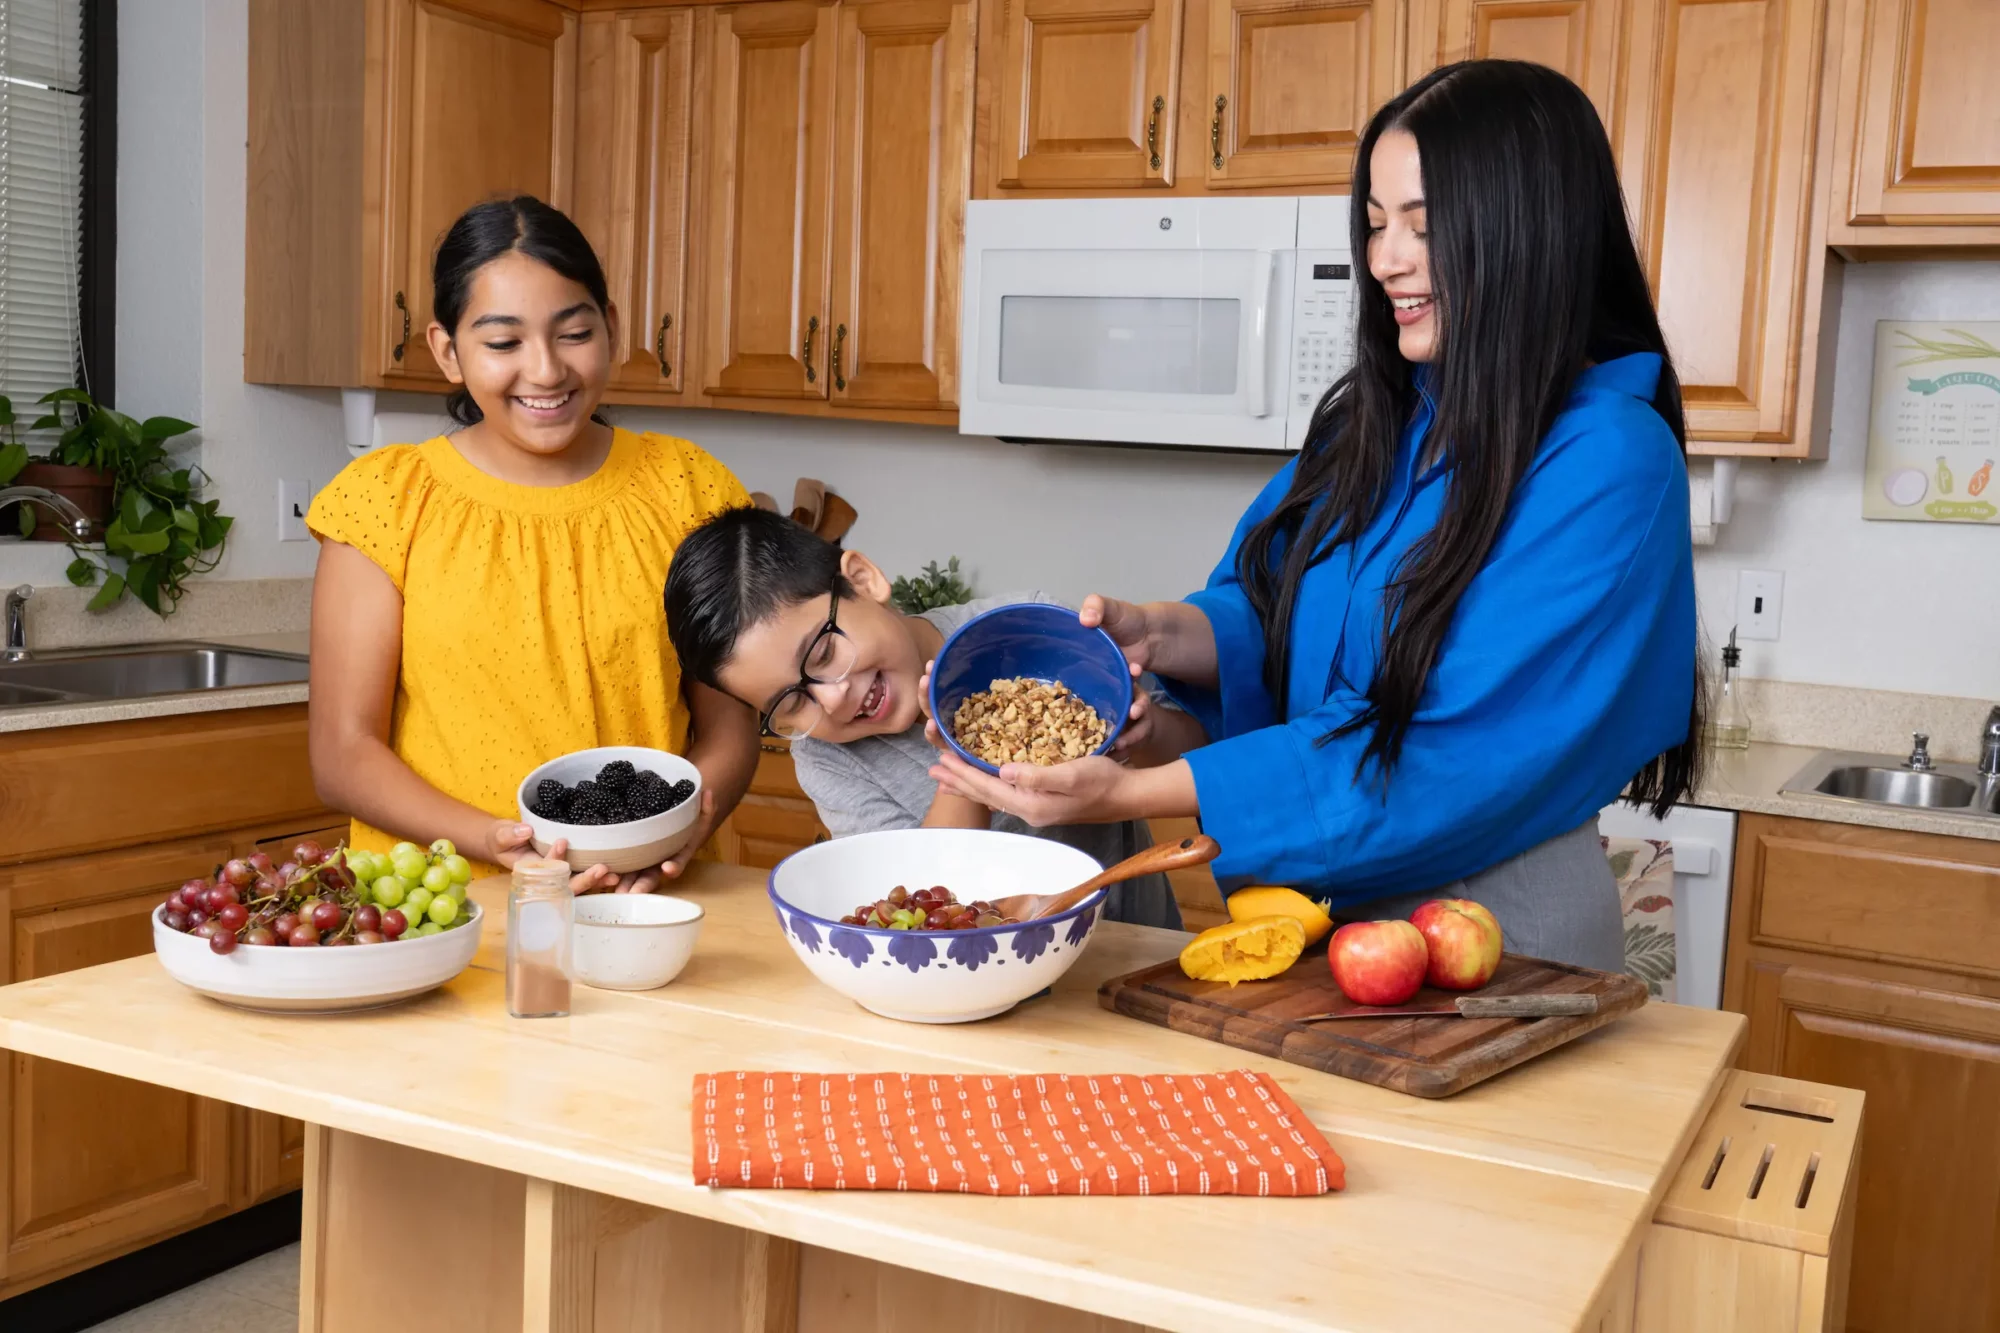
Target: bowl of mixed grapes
x,y
323,931
929,943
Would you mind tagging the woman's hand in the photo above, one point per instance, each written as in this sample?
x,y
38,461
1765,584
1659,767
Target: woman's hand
x,y
507,840
1138,731
1128,625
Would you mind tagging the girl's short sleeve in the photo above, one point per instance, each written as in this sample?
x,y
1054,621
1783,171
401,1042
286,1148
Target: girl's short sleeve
x,y
373,505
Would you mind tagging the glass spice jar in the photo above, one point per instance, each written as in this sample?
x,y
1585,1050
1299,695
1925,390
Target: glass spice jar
x,y
539,913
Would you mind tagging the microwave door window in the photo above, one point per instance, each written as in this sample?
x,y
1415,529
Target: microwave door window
x,y
1126,345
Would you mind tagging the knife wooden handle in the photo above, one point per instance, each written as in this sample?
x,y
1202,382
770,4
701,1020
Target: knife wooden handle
x,y
1526,1006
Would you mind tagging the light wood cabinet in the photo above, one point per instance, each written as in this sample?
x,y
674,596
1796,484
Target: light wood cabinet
x,y
1870,959
1719,124
902,158
1291,87
1581,38
635,103
1917,143
771,73
1087,93
373,124
775,818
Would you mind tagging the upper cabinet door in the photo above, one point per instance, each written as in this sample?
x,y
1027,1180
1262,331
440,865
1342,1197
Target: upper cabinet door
x,y
1919,108
1291,86
901,165
481,95
1578,37
634,77
1719,124
1088,94
771,109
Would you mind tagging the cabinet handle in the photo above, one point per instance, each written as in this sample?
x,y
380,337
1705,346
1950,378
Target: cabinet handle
x,y
396,352
1153,131
1215,131
839,337
660,347
806,352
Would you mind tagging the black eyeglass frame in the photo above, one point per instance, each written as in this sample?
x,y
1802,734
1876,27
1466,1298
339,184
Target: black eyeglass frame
x,y
806,679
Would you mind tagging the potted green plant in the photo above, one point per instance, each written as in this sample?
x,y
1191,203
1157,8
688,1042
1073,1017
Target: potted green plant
x,y
154,531
931,589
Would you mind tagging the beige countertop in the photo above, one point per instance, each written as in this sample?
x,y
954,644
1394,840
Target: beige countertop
x,y
1748,781
169,705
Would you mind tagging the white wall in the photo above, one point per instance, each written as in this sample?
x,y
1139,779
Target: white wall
x,y
1882,605
1885,605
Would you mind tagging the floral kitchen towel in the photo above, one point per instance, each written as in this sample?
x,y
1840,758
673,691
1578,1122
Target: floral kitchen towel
x,y
1644,869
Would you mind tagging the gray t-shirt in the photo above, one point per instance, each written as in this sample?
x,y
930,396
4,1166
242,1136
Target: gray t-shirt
x,y
884,782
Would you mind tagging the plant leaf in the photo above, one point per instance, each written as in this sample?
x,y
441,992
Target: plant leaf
x,y
164,428
81,572
6,410
146,543
108,595
13,457
25,520
49,422
143,576
66,396
134,507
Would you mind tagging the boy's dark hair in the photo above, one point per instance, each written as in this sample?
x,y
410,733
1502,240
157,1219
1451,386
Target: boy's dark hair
x,y
741,567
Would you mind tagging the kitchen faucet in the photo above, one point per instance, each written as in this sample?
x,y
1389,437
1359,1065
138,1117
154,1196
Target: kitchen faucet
x,y
15,647
73,518
1989,746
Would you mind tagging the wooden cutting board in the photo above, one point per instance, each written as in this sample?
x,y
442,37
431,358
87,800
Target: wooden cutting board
x,y
1425,1056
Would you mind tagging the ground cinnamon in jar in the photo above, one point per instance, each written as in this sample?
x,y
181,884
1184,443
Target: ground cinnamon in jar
x,y
539,914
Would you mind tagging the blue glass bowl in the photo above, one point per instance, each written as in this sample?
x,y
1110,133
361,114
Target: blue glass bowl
x,y
1038,641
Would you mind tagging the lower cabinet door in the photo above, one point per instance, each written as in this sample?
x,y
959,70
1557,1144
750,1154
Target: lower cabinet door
x,y
96,1165
275,1147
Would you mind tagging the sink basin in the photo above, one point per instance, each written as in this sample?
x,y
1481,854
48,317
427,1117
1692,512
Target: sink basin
x,y
1897,786
140,672
1880,779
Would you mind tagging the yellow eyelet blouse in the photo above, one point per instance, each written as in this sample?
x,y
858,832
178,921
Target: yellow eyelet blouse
x,y
533,620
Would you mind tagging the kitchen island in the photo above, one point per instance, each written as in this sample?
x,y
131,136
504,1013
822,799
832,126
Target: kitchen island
x,y
470,1171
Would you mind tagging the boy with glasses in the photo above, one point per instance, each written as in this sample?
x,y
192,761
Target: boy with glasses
x,y
803,632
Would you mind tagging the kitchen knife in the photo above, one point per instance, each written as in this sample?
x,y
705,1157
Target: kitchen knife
x,y
1474,1006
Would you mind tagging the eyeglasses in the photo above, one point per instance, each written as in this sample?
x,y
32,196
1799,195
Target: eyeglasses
x,y
828,658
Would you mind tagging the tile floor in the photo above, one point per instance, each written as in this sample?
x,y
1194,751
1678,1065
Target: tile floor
x,y
261,1296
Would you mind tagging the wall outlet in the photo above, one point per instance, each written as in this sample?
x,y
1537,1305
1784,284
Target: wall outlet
x,y
294,498
1760,598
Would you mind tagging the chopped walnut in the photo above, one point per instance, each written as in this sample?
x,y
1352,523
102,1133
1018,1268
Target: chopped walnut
x,y
1027,721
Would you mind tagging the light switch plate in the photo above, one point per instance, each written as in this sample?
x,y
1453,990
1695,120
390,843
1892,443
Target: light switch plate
x,y
294,498
1760,599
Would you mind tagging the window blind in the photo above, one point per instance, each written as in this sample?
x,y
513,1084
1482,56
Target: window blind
x,y
41,197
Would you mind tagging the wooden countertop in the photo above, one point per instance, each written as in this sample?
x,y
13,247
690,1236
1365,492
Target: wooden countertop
x,y
1511,1204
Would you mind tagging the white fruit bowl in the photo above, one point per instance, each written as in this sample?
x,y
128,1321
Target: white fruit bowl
x,y
632,941
619,847
943,976
316,980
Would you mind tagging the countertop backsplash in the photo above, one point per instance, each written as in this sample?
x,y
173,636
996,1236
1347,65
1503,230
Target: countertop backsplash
x,y
57,618
1839,717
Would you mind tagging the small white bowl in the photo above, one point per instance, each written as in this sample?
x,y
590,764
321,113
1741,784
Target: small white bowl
x,y
277,979
632,941
933,976
620,847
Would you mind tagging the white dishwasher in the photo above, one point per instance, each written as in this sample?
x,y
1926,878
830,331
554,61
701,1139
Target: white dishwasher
x,y
1704,843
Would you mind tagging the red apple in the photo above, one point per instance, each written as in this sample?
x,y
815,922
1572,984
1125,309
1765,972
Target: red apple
x,y
1378,962
1464,942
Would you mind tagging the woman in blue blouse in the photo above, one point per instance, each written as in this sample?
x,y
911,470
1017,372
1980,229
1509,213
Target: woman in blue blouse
x,y
1463,620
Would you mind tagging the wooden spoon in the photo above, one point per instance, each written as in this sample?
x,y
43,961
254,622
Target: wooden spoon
x,y
1198,850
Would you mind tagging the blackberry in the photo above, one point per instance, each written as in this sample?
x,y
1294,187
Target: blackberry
x,y
591,803
617,775
648,795
551,801
679,792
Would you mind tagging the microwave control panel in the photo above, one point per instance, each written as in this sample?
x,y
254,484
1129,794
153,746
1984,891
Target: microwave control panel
x,y
1322,334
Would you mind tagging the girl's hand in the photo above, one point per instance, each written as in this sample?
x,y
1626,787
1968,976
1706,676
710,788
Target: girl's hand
x,y
674,868
1128,625
1083,791
507,841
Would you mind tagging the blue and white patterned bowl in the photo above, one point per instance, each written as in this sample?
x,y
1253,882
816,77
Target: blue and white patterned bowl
x,y
923,976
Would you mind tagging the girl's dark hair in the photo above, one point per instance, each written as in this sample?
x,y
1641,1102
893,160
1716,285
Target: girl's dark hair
x,y
1534,276
487,231
738,568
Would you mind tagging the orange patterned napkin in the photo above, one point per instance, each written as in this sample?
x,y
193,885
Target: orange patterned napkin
x,y
1229,1133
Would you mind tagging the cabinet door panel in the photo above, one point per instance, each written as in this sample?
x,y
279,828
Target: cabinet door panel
x,y
482,97
1719,140
1579,37
1088,93
1291,86
903,157
1926,1227
635,76
772,103
1928,144
97,1164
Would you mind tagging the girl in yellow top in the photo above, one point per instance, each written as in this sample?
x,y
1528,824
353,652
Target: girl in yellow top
x,y
491,599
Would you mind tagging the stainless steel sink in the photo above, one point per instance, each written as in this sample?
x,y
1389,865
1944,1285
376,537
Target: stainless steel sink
x,y
141,671
1877,779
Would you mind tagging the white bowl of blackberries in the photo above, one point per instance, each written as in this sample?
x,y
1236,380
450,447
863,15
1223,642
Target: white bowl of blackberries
x,y
623,807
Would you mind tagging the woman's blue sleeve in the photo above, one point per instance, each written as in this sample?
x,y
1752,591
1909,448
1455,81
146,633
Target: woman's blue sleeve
x,y
1569,665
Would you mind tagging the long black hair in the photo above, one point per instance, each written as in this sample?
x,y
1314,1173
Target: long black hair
x,y
487,231
1534,276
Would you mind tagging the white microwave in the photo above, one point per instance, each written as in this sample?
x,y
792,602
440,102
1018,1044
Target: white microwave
x,y
1206,323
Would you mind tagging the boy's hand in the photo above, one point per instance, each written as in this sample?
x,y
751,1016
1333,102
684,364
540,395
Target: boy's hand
x,y
1082,791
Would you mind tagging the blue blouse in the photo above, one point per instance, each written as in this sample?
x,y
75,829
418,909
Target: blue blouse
x,y
1568,665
